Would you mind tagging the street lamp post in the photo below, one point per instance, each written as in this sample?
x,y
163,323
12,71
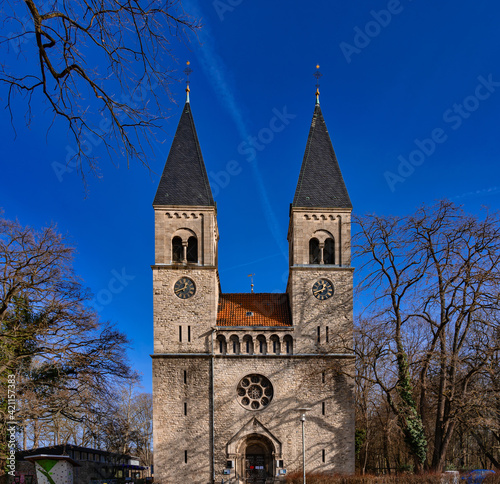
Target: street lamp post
x,y
303,420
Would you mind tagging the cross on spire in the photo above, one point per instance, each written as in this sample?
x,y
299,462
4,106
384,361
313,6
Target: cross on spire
x,y
187,71
317,75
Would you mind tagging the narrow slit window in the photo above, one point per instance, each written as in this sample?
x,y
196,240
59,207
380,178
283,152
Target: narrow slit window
x,y
180,334
323,456
323,377
185,457
327,336
319,334
185,376
323,408
186,408
248,346
189,334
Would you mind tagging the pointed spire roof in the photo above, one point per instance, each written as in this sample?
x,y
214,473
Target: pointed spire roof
x,y
184,180
320,181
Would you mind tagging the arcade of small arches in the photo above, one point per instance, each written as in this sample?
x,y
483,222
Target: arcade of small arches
x,y
184,246
247,345
322,248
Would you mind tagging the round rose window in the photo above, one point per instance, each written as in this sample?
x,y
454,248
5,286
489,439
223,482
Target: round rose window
x,y
255,392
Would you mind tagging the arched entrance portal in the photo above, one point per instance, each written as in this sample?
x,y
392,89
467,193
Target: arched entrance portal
x,y
257,459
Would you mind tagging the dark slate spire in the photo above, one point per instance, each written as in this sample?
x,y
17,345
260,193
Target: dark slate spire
x,y
184,180
320,181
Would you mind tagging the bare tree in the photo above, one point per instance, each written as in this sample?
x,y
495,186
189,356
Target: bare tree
x,y
384,246
434,277
128,429
64,359
99,65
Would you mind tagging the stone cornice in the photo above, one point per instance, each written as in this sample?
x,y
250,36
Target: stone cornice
x,y
322,267
298,355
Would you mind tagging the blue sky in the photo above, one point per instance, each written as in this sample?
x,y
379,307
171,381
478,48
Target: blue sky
x,y
410,93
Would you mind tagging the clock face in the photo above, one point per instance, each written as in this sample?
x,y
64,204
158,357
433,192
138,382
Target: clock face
x,y
184,288
322,289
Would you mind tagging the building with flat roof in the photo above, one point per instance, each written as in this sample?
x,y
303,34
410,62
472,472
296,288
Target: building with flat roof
x,y
91,466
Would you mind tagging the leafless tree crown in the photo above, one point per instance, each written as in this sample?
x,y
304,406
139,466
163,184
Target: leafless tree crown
x,y
99,64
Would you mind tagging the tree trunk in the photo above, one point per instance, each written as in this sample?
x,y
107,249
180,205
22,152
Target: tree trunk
x,y
484,449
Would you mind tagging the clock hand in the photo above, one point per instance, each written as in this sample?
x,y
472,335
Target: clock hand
x,y
182,288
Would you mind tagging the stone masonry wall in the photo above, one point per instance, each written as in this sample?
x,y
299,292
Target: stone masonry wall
x,y
178,436
305,222
309,313
200,220
195,315
297,382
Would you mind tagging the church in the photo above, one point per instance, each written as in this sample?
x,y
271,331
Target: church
x,y
238,378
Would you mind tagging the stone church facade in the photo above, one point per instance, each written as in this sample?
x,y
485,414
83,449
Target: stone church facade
x,y
231,371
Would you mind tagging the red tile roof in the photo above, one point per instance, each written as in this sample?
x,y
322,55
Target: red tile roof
x,y
268,309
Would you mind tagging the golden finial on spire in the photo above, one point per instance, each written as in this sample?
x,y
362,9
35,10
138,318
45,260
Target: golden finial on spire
x,y
187,71
317,75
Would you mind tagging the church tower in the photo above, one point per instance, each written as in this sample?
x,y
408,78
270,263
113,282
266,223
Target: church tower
x,y
185,296
235,373
320,284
